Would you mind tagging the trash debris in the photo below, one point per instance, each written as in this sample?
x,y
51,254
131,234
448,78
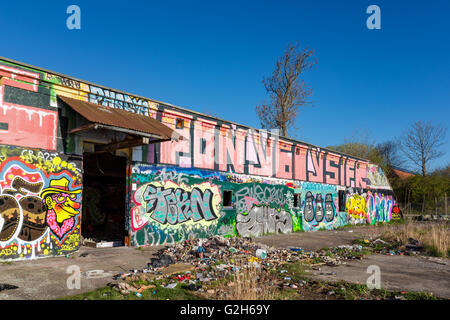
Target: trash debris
x,y
5,286
193,287
146,287
260,253
163,261
379,241
171,285
195,264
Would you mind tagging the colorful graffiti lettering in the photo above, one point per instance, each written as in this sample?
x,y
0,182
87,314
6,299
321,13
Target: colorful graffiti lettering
x,y
173,203
262,220
356,207
369,207
379,207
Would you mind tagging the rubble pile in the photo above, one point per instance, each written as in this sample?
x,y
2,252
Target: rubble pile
x,y
195,263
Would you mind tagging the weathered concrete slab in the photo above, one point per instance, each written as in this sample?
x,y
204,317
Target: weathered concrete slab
x,y
47,278
406,273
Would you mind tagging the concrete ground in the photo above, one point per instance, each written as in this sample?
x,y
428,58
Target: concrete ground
x,y
47,278
403,273
320,239
397,273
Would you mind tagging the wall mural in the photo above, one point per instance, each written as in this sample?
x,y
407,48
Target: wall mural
x,y
319,207
31,96
171,204
26,117
40,205
369,207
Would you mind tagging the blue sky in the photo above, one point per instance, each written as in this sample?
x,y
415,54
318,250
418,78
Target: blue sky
x,y
211,56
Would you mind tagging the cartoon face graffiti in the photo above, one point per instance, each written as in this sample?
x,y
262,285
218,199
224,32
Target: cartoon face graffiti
x,y
61,206
319,208
329,207
309,207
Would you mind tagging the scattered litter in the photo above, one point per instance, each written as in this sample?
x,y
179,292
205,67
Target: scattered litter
x,y
181,263
328,273
5,286
146,287
379,241
163,261
260,253
193,287
171,285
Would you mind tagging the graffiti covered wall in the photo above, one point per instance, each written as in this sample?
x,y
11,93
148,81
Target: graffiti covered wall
x,y
222,178
29,96
170,204
40,203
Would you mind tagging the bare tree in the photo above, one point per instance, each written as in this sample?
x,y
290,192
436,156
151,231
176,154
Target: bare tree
x,y
421,144
286,88
388,151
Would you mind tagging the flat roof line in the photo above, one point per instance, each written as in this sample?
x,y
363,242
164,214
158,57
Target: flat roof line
x,y
170,105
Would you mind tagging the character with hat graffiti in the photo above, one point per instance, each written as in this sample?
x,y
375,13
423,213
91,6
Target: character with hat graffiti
x,y
61,206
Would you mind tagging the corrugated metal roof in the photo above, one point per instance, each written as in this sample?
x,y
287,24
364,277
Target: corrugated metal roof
x,y
120,118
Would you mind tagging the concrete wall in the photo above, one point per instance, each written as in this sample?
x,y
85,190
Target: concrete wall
x,y
170,204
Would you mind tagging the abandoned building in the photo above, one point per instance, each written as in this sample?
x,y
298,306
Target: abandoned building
x,y
82,161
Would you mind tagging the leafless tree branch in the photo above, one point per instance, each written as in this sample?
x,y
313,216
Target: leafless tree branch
x,y
422,142
286,89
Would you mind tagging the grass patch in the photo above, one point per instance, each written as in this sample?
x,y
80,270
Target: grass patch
x,y
158,293
434,236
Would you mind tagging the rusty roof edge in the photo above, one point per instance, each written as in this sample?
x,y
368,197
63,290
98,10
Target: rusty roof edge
x,y
173,134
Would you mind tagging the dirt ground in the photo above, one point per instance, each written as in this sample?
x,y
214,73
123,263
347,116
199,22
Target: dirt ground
x,y
47,278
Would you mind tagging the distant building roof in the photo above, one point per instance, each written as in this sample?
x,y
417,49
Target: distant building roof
x,y
402,173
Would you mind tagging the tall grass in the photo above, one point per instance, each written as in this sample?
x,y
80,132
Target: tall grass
x,y
251,283
434,236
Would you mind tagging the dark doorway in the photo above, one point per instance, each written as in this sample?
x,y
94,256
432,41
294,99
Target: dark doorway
x,y
104,197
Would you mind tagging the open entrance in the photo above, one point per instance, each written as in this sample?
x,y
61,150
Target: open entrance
x,y
104,199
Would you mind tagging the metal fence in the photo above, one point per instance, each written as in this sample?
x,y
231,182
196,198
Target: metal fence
x,y
437,207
